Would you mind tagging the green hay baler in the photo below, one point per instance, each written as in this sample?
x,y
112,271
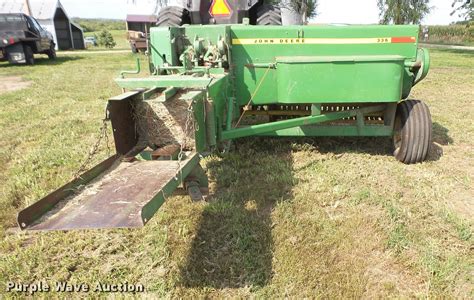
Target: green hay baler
x,y
211,84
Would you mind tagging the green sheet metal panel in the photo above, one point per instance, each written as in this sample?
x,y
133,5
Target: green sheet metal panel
x,y
322,79
261,44
199,115
210,33
164,45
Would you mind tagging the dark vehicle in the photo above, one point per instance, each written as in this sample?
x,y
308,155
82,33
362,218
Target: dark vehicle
x,y
90,41
21,37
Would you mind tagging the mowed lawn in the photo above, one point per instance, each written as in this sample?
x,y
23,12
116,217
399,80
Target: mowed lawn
x,y
302,217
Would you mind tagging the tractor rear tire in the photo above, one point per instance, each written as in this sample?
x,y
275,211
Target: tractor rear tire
x,y
173,16
29,55
412,131
268,14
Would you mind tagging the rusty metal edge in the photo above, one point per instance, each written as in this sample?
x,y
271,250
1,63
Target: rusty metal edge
x,y
33,212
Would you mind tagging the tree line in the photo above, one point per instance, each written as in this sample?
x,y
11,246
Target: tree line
x,y
392,11
92,25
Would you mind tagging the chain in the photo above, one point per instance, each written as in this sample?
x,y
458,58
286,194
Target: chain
x,y
106,136
103,135
188,127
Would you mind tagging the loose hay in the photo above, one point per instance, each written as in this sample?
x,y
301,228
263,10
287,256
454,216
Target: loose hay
x,y
164,123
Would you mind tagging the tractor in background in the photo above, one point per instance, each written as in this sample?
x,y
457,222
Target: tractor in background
x,y
181,12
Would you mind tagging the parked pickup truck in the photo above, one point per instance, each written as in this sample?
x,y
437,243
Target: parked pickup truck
x,y
21,37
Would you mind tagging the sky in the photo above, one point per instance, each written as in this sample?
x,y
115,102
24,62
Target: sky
x,y
329,11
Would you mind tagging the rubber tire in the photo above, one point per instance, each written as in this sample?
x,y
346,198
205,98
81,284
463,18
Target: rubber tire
x,y
51,52
412,131
134,49
268,14
173,16
29,56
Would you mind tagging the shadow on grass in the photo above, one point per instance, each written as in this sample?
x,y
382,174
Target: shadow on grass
x,y
380,145
43,61
466,52
233,244
440,138
440,134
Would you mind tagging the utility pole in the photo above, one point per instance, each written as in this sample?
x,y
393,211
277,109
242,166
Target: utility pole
x,y
27,8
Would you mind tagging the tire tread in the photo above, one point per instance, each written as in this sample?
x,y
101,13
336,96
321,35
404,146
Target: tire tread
x,y
416,131
172,16
268,14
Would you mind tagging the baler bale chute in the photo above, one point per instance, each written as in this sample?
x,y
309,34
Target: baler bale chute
x,y
207,81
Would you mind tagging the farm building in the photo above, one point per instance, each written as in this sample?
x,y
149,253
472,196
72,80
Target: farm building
x,y
53,17
142,14
140,23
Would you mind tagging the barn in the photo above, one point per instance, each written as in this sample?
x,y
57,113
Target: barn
x,y
53,17
142,14
141,23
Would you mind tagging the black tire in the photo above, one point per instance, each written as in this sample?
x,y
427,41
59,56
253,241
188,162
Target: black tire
x,y
268,14
29,56
173,16
51,52
412,131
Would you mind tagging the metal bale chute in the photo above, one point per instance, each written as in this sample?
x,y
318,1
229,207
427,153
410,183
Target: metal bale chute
x,y
206,82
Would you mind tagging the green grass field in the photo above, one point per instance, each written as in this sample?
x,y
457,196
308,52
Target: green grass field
x,y
322,217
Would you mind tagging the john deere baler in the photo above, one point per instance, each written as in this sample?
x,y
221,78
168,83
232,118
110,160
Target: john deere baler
x,y
212,84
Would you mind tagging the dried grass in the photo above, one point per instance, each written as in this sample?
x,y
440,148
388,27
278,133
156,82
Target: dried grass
x,y
164,123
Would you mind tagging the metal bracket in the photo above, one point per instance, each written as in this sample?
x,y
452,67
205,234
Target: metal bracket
x,y
137,71
197,184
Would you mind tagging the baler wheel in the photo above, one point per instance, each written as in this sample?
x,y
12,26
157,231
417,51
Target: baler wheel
x,y
412,131
173,16
268,14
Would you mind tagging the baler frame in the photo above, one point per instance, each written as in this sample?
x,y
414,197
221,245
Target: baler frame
x,y
226,73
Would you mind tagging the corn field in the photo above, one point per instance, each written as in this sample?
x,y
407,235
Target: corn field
x,y
450,34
